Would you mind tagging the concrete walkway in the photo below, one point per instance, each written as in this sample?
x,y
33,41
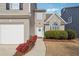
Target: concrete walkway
x,y
38,50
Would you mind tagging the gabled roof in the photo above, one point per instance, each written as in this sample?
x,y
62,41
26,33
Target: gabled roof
x,y
52,16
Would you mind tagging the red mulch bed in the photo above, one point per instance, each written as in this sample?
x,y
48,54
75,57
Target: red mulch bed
x,y
21,54
24,48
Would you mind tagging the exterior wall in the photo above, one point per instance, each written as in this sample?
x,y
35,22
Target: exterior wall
x,y
25,11
74,13
62,27
47,27
18,21
40,23
33,6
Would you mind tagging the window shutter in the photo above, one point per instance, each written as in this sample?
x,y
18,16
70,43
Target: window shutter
x,y
21,6
7,6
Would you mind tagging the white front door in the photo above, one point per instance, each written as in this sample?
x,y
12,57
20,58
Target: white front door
x,y
11,33
39,31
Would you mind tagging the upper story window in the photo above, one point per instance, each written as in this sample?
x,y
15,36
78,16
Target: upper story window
x,y
39,16
14,6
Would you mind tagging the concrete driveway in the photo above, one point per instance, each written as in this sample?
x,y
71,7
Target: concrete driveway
x,y
62,48
7,50
38,50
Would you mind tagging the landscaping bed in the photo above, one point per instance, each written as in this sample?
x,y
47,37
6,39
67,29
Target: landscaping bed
x,y
18,53
24,48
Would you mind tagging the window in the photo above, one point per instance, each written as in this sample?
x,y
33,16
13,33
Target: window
x,y
39,30
55,26
39,16
14,6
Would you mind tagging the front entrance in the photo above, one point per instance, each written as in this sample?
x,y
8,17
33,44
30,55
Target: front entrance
x,y
39,31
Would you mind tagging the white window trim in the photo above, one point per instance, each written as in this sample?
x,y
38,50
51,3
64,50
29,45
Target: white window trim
x,y
29,7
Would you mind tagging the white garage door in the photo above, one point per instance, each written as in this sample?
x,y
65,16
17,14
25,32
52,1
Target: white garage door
x,y
11,33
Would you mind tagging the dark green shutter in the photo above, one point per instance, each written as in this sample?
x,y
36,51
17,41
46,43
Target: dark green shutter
x,y
7,6
21,6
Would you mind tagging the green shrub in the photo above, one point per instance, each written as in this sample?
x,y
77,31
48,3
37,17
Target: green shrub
x,y
47,34
56,35
71,34
63,35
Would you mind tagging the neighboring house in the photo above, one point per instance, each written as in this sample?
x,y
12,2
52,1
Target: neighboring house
x,y
19,21
54,22
71,16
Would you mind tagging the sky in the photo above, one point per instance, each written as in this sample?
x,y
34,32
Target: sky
x,y
55,7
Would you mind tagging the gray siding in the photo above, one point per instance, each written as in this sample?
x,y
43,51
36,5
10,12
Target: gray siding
x,y
74,12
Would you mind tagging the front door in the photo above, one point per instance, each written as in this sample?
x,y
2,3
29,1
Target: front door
x,y
39,31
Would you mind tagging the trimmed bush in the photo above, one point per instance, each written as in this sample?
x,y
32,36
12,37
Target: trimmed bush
x,y
56,35
71,34
63,35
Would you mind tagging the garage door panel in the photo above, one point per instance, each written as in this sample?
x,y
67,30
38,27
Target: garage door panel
x,y
11,33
